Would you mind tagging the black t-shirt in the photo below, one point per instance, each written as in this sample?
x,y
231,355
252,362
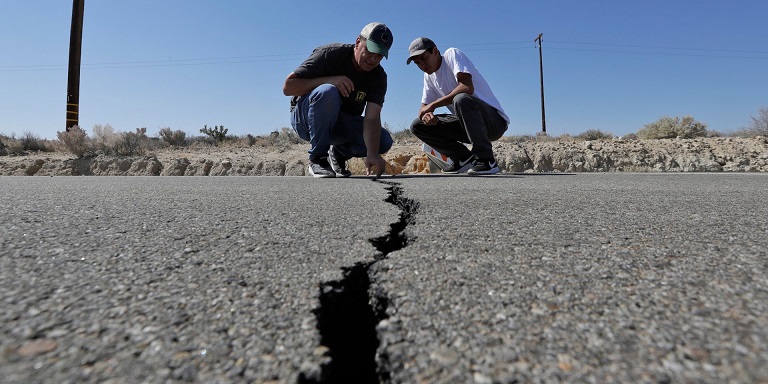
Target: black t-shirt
x,y
336,60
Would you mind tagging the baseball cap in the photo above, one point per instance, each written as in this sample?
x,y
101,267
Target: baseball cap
x,y
378,38
419,46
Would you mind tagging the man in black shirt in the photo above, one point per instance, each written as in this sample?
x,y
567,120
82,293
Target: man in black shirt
x,y
331,90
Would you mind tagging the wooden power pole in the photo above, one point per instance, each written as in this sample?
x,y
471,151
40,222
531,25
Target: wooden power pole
x,y
73,80
541,76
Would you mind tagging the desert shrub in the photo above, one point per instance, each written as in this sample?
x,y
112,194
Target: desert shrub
x,y
760,123
290,137
174,138
104,138
758,126
283,138
132,143
594,134
218,133
630,136
32,142
199,141
242,141
286,137
3,147
673,127
517,139
404,136
13,145
75,140
538,137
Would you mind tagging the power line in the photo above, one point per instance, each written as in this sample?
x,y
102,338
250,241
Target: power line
x,y
158,63
660,47
490,46
660,53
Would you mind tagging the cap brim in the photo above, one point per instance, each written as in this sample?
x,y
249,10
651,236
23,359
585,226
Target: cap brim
x,y
414,54
376,48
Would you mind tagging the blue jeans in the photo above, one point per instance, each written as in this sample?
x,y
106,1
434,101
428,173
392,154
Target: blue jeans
x,y
318,119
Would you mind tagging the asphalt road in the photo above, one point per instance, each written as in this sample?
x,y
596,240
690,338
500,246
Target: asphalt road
x,y
421,279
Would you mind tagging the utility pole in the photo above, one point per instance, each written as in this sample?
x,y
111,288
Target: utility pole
x,y
541,76
73,80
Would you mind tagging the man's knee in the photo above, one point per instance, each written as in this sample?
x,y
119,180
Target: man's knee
x,y
325,93
385,143
463,100
418,127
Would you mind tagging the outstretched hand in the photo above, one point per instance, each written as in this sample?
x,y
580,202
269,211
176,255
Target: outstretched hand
x,y
375,163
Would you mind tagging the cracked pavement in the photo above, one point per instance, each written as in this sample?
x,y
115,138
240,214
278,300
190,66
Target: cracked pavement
x,y
510,278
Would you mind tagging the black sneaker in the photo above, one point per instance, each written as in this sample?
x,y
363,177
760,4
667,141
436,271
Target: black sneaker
x,y
338,163
484,167
460,166
321,168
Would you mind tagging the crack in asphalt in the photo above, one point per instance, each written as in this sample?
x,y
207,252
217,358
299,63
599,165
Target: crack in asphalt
x,y
350,309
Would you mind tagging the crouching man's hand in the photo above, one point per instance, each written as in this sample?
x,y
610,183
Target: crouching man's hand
x,y
375,163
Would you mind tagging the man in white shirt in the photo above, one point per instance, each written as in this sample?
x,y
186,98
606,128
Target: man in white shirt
x,y
452,81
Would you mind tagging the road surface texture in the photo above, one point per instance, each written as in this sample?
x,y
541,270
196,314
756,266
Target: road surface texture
x,y
414,279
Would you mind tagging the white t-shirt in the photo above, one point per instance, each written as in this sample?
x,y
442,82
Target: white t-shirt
x,y
443,81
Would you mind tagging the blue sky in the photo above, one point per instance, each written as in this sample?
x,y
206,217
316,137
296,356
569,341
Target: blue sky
x,y
608,65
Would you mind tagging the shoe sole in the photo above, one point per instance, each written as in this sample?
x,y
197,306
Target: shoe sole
x,y
461,170
342,174
491,171
320,176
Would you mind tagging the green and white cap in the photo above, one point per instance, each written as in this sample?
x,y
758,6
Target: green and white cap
x,y
378,38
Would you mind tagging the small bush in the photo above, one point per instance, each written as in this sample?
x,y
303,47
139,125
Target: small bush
x,y
288,136
75,140
13,146
760,123
104,138
404,136
176,138
758,127
3,148
218,133
517,139
673,127
32,142
285,137
630,136
132,143
594,134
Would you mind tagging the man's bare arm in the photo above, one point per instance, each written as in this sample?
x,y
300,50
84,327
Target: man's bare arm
x,y
465,86
372,138
297,86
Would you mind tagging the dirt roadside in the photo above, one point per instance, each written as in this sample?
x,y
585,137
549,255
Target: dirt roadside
x,y
669,155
